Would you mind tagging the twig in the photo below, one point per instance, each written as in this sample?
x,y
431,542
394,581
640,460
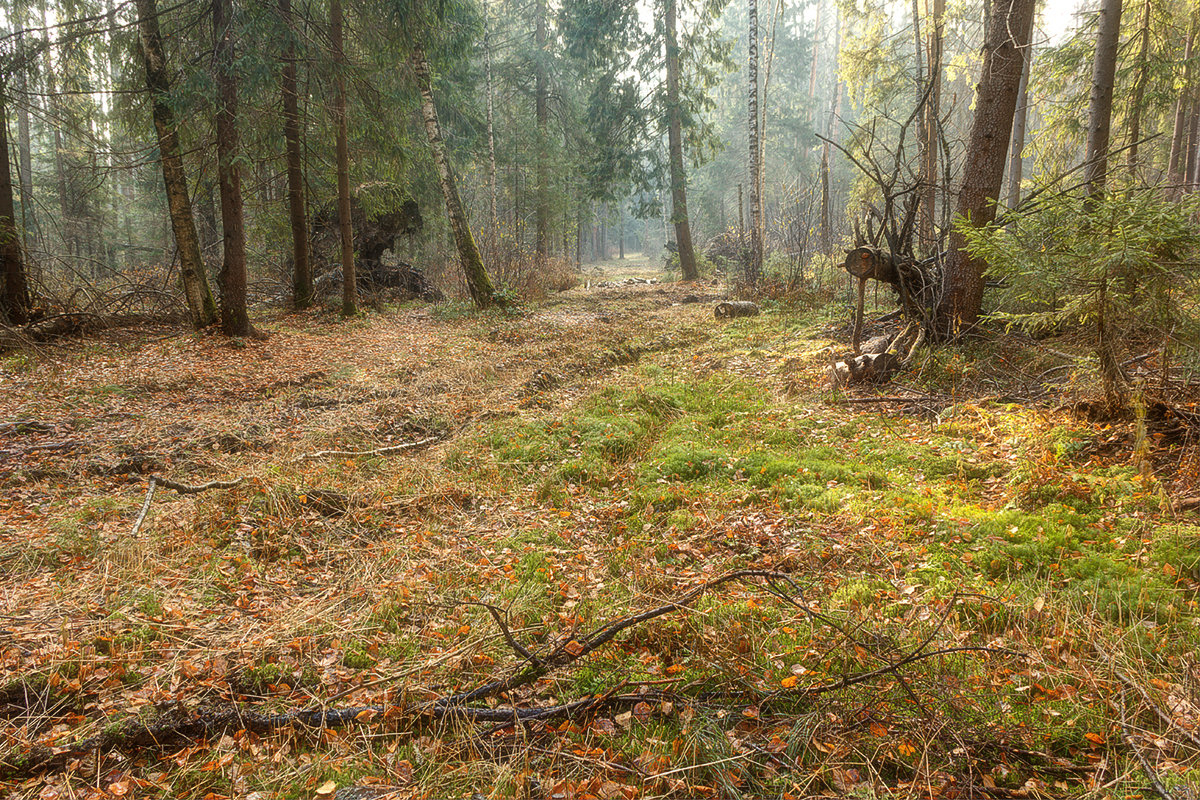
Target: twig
x,y
1147,770
141,517
381,451
1162,715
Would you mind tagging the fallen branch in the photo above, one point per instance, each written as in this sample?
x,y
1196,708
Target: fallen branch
x,y
381,451
1147,770
197,488
138,735
141,517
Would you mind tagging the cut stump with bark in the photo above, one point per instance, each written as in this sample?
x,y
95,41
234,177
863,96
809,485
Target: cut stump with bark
x,y
736,308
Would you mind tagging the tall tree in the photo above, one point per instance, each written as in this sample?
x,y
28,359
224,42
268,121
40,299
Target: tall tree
x,y
14,298
1104,70
541,102
195,285
1139,90
24,139
931,129
754,268
1177,157
345,230
478,282
679,212
235,321
1015,162
302,278
1008,34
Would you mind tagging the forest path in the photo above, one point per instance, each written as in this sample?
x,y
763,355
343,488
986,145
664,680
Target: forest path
x,y
590,458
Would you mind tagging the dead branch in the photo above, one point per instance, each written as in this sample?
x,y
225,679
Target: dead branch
x,y
190,488
380,451
135,735
1147,770
141,517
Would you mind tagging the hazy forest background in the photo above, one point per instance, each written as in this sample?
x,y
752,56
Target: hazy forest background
x,y
599,399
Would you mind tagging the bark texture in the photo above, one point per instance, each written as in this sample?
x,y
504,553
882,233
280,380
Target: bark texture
x,y
542,112
1015,164
754,268
345,225
235,321
679,212
1139,90
14,299
1009,29
302,278
1104,70
478,282
1178,130
196,291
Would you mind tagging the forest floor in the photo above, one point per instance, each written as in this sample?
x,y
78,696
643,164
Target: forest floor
x,y
946,591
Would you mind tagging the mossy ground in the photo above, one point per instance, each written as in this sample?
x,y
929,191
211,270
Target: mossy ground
x,y
1018,541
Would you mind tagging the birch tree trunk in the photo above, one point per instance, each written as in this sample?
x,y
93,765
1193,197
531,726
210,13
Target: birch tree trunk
x,y
1008,36
1104,70
302,278
232,279
199,297
1018,137
345,227
754,268
679,212
478,282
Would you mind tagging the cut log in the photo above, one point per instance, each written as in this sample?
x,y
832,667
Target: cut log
x,y
867,368
736,308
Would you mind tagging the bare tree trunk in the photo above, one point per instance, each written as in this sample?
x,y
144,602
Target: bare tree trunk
x,y
478,282
195,285
1178,131
816,46
24,144
1018,136
493,224
56,115
679,212
302,278
1104,70
542,113
232,279
14,299
1193,157
1008,36
1139,91
754,165
345,228
931,131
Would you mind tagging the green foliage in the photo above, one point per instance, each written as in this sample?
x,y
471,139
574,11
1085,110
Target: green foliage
x,y
1124,264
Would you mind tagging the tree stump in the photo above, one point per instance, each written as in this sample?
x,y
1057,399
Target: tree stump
x,y
736,308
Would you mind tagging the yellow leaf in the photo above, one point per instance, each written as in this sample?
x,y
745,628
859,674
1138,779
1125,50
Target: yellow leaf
x,y
327,788
906,749
366,715
788,682
1094,738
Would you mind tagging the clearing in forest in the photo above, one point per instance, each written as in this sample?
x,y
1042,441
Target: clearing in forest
x,y
609,547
